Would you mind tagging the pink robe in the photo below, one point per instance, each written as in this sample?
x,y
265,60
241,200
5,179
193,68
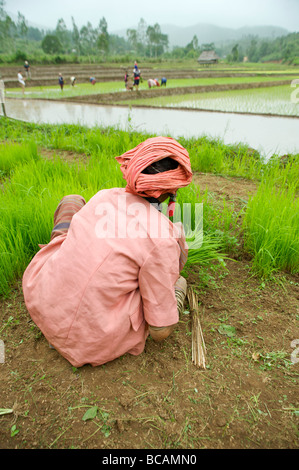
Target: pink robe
x,y
93,291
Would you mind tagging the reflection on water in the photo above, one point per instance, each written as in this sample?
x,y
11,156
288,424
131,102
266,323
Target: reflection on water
x,y
267,134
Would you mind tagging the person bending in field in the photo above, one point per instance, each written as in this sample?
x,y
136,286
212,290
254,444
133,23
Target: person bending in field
x,y
27,69
152,82
110,275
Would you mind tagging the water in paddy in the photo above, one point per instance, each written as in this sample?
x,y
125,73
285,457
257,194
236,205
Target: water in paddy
x,y
268,135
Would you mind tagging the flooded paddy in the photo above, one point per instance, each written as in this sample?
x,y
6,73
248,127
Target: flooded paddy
x,y
278,100
266,134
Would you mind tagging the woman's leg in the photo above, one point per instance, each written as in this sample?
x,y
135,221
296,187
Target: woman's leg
x,y
66,209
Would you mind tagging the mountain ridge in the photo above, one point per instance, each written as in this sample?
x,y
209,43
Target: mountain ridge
x,y
207,33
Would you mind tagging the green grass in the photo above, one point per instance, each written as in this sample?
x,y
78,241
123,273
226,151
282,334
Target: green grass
x,y
15,154
271,228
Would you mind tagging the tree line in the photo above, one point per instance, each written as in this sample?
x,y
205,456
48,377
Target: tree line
x,y
146,40
18,40
285,48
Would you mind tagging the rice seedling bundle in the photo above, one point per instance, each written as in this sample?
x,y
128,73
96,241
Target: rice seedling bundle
x,y
198,343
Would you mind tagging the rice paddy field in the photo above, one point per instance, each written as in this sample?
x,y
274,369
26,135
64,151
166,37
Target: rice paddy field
x,y
276,100
246,276
82,89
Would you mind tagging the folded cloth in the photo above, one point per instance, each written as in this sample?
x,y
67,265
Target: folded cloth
x,y
145,154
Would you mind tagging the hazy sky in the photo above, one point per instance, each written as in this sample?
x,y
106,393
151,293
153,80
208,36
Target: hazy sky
x,y
123,14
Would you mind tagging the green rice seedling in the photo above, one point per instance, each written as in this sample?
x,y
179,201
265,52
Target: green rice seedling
x,y
283,171
205,239
12,155
271,228
267,100
213,156
76,138
27,205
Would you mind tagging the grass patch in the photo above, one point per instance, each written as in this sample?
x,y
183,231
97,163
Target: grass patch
x,y
271,229
13,155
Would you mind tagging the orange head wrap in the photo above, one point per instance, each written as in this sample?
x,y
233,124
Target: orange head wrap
x,y
145,154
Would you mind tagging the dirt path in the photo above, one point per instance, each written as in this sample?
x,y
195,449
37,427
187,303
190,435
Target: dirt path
x,y
246,398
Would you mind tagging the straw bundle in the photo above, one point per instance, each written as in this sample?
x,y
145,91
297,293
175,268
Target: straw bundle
x,y
198,344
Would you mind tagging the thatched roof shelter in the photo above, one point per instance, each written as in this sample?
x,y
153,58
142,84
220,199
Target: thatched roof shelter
x,y
208,57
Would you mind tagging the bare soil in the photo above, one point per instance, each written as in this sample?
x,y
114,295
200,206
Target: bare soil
x,y
246,398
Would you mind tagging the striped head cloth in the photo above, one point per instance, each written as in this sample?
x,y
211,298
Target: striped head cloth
x,y
145,154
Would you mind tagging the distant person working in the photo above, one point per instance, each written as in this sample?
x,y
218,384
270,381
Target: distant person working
x,y
27,69
21,81
61,81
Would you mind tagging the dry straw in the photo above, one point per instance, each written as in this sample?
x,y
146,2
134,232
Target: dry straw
x,y
198,344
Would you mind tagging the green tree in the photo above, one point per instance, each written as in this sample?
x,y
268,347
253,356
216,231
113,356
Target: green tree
x,y
192,49
22,25
51,44
157,42
76,37
195,43
210,46
264,49
103,37
2,12
141,32
34,34
62,34
118,45
235,53
88,39
132,37
8,33
252,53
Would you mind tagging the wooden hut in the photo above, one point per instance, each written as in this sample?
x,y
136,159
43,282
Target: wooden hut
x,y
208,57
